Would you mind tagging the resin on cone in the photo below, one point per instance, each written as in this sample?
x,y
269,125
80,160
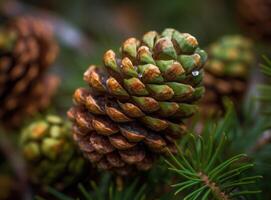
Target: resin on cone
x,y
27,50
51,155
136,103
226,72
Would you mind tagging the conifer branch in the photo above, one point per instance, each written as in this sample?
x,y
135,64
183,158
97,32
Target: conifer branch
x,y
205,175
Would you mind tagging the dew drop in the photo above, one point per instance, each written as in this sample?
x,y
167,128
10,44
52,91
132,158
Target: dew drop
x,y
195,73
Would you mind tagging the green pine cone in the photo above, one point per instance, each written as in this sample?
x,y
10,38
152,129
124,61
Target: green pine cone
x,y
51,156
227,71
231,56
137,103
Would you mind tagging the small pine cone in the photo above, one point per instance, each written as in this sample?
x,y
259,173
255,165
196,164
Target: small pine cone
x,y
226,72
255,18
27,50
51,155
136,105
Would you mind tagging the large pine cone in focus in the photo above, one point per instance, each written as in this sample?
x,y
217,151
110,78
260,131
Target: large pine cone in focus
x,y
136,104
27,50
226,72
255,17
52,158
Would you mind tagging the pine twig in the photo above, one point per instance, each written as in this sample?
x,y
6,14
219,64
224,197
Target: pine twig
x,y
220,195
205,175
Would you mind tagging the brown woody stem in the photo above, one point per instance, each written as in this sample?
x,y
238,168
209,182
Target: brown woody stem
x,y
218,193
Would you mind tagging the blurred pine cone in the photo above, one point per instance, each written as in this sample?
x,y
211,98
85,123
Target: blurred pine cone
x,y
255,17
226,72
50,153
135,106
27,50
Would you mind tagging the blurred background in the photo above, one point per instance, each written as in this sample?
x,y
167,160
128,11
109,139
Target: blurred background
x,y
84,29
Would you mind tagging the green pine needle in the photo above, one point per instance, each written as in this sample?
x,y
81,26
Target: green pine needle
x,y
265,89
112,192
58,195
202,172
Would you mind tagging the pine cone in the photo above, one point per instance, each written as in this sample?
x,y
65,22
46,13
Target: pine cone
x,y
226,72
27,50
255,17
136,105
50,153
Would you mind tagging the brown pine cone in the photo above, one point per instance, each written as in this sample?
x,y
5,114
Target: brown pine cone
x,y
27,50
255,17
226,73
136,105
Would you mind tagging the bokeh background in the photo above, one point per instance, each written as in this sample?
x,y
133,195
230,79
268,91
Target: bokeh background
x,y
84,29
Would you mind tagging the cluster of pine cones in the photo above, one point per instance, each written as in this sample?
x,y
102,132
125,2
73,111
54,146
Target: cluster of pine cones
x,y
27,50
135,107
